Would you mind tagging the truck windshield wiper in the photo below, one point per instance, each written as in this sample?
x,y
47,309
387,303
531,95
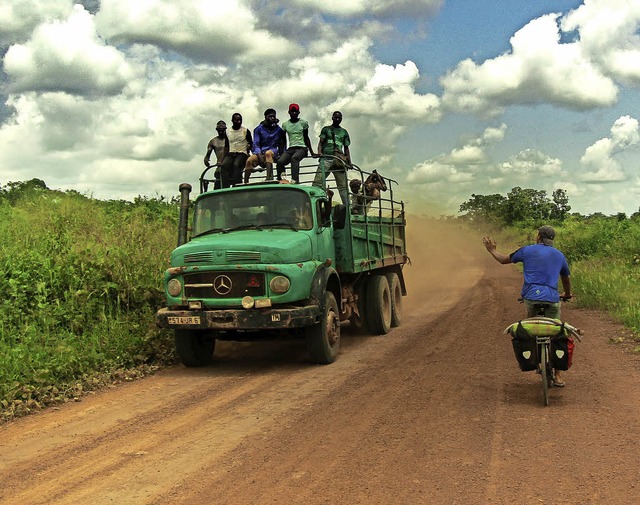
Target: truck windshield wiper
x,y
242,227
279,224
209,232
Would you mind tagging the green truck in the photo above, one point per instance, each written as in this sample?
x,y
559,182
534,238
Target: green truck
x,y
263,259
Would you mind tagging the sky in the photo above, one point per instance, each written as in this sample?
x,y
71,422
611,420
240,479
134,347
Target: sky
x,y
450,98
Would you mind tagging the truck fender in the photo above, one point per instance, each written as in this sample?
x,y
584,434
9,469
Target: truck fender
x,y
326,279
398,270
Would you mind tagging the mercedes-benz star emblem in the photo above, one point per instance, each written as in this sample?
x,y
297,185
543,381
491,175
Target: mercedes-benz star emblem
x,y
222,285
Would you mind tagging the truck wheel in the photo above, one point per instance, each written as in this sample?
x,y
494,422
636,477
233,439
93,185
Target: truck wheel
x,y
396,299
323,338
358,324
195,348
378,305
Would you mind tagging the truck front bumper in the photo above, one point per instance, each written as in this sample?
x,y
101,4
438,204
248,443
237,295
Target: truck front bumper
x,y
239,319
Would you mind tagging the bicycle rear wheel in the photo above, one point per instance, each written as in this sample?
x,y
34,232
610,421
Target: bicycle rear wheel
x,y
544,372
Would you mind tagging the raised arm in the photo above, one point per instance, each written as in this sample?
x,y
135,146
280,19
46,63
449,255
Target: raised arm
x,y
491,246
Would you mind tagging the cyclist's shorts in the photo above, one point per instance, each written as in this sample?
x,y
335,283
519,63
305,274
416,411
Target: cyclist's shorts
x,y
552,310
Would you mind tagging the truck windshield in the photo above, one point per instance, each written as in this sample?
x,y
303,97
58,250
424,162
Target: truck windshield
x,y
257,209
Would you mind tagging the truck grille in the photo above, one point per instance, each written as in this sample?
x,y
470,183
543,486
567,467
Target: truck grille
x,y
224,284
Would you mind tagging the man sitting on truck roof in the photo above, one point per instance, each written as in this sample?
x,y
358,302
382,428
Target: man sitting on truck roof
x,y
239,143
297,130
268,144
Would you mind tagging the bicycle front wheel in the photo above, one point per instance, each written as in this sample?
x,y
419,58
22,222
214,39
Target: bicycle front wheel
x,y
545,373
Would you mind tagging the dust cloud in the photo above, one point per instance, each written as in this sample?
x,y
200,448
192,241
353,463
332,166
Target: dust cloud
x,y
445,257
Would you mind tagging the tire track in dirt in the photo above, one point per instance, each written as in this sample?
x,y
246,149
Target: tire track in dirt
x,y
390,406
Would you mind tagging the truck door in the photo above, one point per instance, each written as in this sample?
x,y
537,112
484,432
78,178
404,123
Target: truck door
x,y
325,242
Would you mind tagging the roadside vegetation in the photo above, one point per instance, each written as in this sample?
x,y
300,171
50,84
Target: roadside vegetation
x,y
81,280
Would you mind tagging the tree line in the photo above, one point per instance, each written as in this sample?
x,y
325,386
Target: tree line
x,y
519,205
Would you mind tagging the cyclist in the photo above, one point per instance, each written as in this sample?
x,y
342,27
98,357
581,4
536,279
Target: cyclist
x,y
542,265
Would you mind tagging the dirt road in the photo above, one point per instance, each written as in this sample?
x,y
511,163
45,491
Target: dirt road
x,y
436,412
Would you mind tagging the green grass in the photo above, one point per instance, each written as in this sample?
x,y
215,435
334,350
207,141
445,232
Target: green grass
x,y
612,285
81,281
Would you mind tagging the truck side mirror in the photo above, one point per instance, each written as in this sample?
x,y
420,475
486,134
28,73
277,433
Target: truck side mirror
x,y
325,212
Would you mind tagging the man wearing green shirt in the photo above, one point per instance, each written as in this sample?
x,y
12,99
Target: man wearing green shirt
x,y
299,144
335,156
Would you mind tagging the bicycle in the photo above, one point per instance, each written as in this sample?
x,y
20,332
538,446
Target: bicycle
x,y
536,344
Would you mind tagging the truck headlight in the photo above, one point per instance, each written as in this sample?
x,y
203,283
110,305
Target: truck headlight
x,y
174,288
279,284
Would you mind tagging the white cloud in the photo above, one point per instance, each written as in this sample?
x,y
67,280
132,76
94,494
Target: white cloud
x,y
381,8
609,35
625,133
532,163
437,172
538,69
600,160
67,56
462,163
217,32
468,155
392,89
18,18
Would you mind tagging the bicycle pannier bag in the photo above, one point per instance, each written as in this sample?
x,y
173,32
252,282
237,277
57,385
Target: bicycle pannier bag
x,y
524,347
561,350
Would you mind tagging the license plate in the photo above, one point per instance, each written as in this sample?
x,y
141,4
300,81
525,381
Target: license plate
x,y
183,319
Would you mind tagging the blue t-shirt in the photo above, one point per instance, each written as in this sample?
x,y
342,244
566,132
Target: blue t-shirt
x,y
542,266
265,139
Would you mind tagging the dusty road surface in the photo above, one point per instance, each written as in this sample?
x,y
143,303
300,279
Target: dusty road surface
x,y
435,412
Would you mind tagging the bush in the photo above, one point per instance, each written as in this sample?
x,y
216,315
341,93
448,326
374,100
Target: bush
x,y
81,281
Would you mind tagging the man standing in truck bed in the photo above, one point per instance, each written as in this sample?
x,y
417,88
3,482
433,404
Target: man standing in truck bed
x,y
334,142
219,145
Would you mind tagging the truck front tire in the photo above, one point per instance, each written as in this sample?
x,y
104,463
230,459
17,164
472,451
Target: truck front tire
x,y
195,348
323,338
378,305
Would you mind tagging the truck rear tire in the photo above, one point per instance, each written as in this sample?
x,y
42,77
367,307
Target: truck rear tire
x,y
357,321
195,348
323,338
378,305
396,299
